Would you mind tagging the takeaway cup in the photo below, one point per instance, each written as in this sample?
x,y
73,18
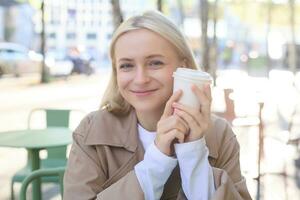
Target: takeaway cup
x,y
184,78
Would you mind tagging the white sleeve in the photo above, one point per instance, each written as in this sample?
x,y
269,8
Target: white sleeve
x,y
195,170
154,171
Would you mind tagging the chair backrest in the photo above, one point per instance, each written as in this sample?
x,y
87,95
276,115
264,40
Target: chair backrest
x,y
54,118
57,117
58,171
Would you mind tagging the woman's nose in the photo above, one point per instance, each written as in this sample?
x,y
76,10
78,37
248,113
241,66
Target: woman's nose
x,y
141,76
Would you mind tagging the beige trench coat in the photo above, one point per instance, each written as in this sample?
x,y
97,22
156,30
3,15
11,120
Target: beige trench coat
x,y
106,148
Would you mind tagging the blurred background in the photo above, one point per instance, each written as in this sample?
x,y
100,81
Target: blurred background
x,y
54,54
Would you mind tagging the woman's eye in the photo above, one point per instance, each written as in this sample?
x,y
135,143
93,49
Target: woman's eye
x,y
156,63
126,66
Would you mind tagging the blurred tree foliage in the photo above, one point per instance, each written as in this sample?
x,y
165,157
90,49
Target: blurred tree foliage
x,y
253,12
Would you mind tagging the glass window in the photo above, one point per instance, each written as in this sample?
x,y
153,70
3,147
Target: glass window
x,y
71,13
91,36
52,35
71,35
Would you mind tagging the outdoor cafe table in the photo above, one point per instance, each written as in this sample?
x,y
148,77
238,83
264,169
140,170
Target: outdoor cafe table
x,y
33,140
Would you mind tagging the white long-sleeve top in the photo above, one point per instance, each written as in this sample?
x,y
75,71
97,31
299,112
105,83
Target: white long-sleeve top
x,y
156,167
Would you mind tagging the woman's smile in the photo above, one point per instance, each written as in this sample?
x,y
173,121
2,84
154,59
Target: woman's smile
x,y
143,92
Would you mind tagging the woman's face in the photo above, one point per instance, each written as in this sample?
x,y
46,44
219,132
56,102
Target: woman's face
x,y
145,62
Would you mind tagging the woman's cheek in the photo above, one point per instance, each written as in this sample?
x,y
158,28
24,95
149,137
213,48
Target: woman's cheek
x,y
123,80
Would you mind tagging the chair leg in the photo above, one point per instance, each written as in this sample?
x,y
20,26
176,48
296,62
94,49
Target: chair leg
x,y
61,185
12,196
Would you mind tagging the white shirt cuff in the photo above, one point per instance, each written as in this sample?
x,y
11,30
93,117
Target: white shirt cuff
x,y
190,147
195,169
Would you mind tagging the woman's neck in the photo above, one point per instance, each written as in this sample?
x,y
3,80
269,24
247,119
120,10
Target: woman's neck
x,y
148,120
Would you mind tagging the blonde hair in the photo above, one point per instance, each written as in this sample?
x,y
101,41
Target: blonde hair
x,y
154,21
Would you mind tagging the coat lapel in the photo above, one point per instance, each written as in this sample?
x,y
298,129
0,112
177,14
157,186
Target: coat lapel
x,y
111,130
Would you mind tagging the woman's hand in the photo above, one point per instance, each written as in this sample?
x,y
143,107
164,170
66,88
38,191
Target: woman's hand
x,y
197,120
170,128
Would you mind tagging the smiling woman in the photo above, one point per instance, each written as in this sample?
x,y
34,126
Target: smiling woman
x,y
142,143
144,75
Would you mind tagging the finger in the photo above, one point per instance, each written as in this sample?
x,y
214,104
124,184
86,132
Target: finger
x,y
200,94
204,99
194,125
175,134
184,125
207,91
172,122
168,109
195,113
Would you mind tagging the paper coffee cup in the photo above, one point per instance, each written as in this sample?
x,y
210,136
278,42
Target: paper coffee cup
x,y
184,78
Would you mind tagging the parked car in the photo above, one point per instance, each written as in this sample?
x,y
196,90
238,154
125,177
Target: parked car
x,y
58,63
16,59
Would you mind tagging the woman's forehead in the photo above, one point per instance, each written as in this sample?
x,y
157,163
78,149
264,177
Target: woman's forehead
x,y
138,36
142,42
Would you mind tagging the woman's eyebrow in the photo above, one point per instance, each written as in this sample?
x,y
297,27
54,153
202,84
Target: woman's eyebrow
x,y
155,55
125,59
147,57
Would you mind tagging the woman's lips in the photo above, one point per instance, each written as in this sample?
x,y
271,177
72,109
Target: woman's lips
x,y
143,92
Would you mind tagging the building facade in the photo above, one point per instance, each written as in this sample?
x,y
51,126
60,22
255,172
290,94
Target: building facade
x,y
85,24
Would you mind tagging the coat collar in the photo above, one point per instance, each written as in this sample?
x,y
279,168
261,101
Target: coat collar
x,y
108,129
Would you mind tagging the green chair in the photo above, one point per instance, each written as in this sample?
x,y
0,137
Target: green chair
x,y
57,172
56,156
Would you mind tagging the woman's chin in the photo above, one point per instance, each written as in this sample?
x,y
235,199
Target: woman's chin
x,y
149,109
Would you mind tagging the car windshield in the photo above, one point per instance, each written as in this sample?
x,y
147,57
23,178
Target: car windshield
x,y
12,54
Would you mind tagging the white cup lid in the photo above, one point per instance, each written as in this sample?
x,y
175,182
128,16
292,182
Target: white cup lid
x,y
192,74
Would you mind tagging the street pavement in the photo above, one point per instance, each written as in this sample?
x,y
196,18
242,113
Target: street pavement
x,y
19,96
